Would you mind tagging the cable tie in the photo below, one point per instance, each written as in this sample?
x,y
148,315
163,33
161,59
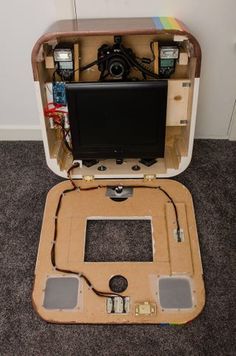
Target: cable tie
x,y
179,235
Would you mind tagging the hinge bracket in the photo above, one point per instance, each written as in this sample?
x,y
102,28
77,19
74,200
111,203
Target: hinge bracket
x,y
88,178
149,177
186,85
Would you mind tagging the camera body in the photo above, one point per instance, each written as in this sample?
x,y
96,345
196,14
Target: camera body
x,y
116,60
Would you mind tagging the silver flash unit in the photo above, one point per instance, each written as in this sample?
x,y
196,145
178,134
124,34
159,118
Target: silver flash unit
x,y
169,52
63,55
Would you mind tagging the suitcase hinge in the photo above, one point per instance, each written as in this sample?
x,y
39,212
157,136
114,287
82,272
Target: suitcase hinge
x,y
88,178
149,177
186,85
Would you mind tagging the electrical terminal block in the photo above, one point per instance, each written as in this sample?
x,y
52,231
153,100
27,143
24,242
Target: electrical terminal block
x,y
178,237
118,305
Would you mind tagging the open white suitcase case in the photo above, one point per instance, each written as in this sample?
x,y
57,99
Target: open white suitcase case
x,y
164,285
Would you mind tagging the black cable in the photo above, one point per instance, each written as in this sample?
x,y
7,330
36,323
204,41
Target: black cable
x,y
173,203
103,76
146,60
87,66
176,213
137,65
75,165
133,61
97,61
128,57
152,50
65,133
53,249
144,66
54,75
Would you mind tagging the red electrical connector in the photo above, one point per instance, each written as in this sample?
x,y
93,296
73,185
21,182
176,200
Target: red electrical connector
x,y
55,112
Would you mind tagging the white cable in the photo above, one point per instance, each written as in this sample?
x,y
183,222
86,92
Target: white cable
x,y
75,9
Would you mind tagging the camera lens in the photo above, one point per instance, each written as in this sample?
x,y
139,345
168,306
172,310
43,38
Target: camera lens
x,y
117,69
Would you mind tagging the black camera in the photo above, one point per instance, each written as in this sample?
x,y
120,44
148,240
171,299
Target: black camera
x,y
115,60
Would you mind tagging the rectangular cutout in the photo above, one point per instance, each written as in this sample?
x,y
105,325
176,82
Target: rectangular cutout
x,y
118,240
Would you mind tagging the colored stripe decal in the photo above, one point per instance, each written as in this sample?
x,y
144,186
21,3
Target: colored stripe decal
x,y
157,23
184,28
165,23
175,23
168,23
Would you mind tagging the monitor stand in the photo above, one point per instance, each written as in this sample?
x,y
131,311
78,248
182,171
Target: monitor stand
x,y
148,162
90,162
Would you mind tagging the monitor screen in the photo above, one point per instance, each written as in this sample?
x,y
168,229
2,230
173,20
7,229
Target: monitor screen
x,y
117,119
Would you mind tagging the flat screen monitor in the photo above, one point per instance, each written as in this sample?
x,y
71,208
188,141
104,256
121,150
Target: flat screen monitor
x,y
117,119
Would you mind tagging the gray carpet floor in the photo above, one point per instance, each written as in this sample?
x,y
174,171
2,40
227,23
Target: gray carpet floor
x,y
24,182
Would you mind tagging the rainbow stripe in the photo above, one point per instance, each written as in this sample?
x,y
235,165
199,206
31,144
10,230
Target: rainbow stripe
x,y
173,324
168,23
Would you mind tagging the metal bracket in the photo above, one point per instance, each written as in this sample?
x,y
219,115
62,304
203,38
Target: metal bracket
x,y
145,308
181,235
186,85
119,192
149,177
88,178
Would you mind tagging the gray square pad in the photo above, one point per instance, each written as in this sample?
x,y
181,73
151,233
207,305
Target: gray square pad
x,y
61,293
175,293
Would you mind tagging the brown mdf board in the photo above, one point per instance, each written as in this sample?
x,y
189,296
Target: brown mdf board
x,y
168,288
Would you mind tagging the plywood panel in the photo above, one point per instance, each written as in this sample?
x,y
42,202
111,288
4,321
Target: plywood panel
x,y
76,62
177,102
142,277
